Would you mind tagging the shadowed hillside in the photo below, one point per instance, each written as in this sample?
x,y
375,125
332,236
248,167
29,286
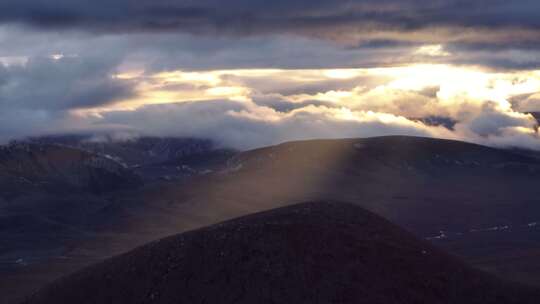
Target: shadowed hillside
x,y
456,194
25,168
476,202
152,158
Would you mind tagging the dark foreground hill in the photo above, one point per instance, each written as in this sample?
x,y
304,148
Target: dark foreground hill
x,y
309,253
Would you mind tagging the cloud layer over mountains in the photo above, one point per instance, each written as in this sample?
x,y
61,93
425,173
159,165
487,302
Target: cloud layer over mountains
x,y
253,73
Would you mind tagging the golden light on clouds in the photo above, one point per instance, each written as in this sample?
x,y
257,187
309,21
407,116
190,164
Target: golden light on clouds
x,y
435,50
203,78
481,106
343,73
373,89
421,75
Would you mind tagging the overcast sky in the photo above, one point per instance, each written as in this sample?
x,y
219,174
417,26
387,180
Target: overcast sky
x,y
249,73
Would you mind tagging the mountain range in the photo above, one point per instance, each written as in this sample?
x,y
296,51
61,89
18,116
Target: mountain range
x,y
475,203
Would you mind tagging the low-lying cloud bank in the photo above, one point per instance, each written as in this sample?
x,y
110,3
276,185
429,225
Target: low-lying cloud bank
x,y
245,125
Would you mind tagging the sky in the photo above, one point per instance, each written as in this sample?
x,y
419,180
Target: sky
x,y
251,73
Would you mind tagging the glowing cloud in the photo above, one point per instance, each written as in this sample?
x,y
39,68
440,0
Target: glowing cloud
x,y
435,50
344,101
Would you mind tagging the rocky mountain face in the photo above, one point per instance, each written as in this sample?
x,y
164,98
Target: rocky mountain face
x,y
27,167
443,121
316,252
153,158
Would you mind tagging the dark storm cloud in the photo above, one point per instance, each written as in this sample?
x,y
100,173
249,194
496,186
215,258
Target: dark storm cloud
x,y
384,44
473,31
286,106
45,83
286,87
317,17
